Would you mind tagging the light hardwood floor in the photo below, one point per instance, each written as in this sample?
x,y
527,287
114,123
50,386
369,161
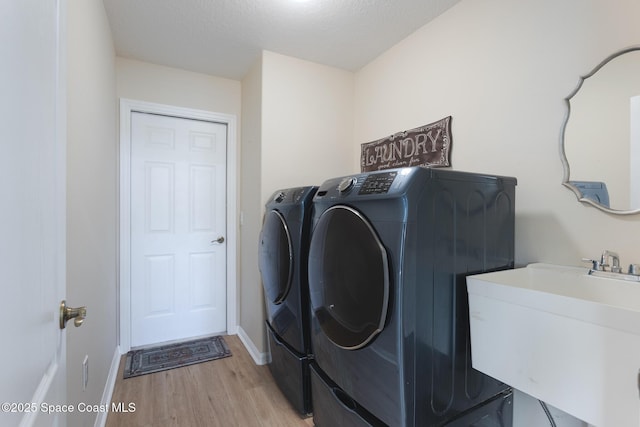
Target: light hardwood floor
x,y
233,391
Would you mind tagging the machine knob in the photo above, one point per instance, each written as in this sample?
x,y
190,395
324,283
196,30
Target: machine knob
x,y
347,184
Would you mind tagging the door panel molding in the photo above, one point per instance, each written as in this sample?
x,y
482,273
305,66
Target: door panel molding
x,y
127,106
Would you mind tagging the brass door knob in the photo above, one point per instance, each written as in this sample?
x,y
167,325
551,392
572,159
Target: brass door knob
x,y
67,313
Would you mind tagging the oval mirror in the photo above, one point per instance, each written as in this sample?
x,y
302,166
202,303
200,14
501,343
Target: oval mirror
x,y
600,138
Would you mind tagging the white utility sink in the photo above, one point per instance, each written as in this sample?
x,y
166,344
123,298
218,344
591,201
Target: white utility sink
x,y
562,336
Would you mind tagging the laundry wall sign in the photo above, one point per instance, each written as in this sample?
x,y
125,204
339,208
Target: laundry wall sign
x,y
428,145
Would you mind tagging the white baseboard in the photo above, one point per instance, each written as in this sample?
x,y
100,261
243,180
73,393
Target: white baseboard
x,y
258,357
107,394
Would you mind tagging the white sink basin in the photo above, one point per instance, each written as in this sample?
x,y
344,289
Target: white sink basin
x,y
562,336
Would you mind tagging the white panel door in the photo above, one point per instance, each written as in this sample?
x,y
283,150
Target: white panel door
x,y
178,228
32,213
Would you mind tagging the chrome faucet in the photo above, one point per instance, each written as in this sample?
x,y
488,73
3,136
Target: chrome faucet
x,y
614,271
615,261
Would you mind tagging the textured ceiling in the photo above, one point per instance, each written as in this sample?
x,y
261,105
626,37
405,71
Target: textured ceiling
x,y
225,37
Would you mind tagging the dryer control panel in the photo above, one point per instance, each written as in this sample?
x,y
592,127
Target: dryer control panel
x,y
369,184
378,183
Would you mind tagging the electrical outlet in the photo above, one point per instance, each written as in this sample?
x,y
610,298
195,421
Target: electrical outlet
x,y
85,372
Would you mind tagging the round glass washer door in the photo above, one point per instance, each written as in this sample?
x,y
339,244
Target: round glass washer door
x,y
275,257
348,278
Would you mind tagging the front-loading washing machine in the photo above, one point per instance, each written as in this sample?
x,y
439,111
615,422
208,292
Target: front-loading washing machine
x,y
282,254
389,254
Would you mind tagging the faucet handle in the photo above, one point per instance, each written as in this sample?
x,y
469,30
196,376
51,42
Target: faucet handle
x,y
634,269
595,264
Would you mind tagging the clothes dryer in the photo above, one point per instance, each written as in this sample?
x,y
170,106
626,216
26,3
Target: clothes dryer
x,y
283,251
388,258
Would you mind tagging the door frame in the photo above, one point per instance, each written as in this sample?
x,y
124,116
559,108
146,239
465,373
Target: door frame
x,y
128,106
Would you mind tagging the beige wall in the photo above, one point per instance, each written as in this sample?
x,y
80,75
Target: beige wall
x,y
252,311
307,123
300,120
91,201
143,81
502,68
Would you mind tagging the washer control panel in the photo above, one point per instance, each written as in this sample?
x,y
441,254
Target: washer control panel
x,y
292,195
378,183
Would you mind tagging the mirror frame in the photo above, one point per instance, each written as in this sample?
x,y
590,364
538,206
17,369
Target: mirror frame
x,y
563,157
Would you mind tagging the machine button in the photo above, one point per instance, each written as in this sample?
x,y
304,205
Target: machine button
x,y
279,197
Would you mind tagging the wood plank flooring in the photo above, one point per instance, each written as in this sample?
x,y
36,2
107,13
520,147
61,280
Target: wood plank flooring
x,y
233,391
